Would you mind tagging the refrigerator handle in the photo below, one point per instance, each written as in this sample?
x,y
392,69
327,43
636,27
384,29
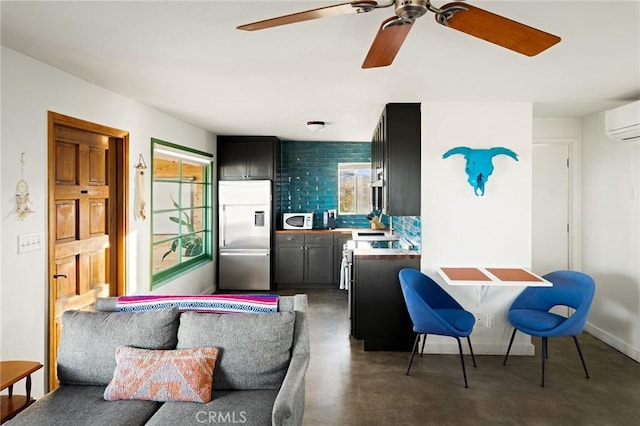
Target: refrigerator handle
x,y
226,253
221,228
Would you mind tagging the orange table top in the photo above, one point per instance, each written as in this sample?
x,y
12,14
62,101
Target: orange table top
x,y
514,274
491,276
465,274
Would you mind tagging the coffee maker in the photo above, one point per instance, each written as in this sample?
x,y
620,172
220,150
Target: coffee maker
x,y
329,219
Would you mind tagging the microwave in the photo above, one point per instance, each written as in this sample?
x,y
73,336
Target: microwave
x,y
297,221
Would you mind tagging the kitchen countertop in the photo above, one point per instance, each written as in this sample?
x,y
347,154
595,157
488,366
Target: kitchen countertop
x,y
377,253
365,248
319,231
360,252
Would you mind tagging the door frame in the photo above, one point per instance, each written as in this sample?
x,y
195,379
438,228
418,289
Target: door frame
x,y
575,197
119,170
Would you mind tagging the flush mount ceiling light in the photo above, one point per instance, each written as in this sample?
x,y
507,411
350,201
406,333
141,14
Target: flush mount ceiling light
x,y
315,126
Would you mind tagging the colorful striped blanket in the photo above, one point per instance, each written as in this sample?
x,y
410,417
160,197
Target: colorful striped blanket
x,y
212,303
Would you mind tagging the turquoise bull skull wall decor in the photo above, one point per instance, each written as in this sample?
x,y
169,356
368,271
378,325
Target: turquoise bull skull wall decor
x,y
479,164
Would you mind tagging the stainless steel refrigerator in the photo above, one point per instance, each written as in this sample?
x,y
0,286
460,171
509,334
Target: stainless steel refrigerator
x,y
244,209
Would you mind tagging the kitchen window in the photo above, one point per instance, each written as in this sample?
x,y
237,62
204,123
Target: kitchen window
x,y
181,210
354,188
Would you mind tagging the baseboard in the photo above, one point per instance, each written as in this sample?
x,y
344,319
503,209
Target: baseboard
x,y
525,349
614,342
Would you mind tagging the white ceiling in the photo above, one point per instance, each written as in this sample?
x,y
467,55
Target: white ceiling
x,y
186,58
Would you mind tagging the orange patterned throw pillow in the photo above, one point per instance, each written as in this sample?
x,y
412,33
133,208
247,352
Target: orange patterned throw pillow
x,y
162,375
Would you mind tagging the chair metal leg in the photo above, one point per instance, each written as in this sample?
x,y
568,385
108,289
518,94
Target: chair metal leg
x,y
471,350
413,352
546,351
424,341
575,339
509,348
464,371
544,357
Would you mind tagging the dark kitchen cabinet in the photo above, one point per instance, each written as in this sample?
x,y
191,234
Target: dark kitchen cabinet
x,y
319,266
290,258
247,157
395,160
379,314
304,259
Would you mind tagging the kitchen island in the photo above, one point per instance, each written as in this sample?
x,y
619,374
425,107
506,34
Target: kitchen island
x,y
379,315
377,311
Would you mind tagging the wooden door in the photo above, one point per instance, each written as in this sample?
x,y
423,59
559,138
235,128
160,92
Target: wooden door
x,y
87,211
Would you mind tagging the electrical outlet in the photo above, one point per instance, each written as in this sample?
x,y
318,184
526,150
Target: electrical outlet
x,y
489,321
480,323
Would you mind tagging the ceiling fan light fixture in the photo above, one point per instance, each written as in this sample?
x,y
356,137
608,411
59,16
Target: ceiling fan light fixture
x,y
315,126
457,15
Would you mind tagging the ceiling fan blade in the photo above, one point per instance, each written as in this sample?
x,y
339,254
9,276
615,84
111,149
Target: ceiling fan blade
x,y
495,29
322,12
387,43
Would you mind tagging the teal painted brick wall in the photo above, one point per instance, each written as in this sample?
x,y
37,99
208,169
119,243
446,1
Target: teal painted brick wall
x,y
409,228
310,184
310,177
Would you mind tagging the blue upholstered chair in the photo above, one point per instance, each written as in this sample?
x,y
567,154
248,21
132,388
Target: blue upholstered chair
x,y
434,311
530,314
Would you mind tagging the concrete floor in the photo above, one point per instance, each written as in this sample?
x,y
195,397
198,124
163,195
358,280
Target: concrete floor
x,y
347,386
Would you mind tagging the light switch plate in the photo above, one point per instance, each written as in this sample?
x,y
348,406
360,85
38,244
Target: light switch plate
x,y
30,242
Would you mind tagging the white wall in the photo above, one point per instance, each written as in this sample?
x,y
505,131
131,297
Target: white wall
x,y
556,128
611,235
460,228
30,89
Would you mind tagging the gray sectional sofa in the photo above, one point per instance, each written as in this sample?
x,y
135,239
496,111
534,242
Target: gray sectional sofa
x,y
259,375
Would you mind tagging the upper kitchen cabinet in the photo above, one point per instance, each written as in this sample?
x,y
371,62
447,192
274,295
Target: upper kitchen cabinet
x,y
395,160
247,157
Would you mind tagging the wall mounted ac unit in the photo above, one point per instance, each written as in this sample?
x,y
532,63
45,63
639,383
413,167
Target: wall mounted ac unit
x,y
622,124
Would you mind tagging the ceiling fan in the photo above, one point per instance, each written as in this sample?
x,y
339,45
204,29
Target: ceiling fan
x,y
461,16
